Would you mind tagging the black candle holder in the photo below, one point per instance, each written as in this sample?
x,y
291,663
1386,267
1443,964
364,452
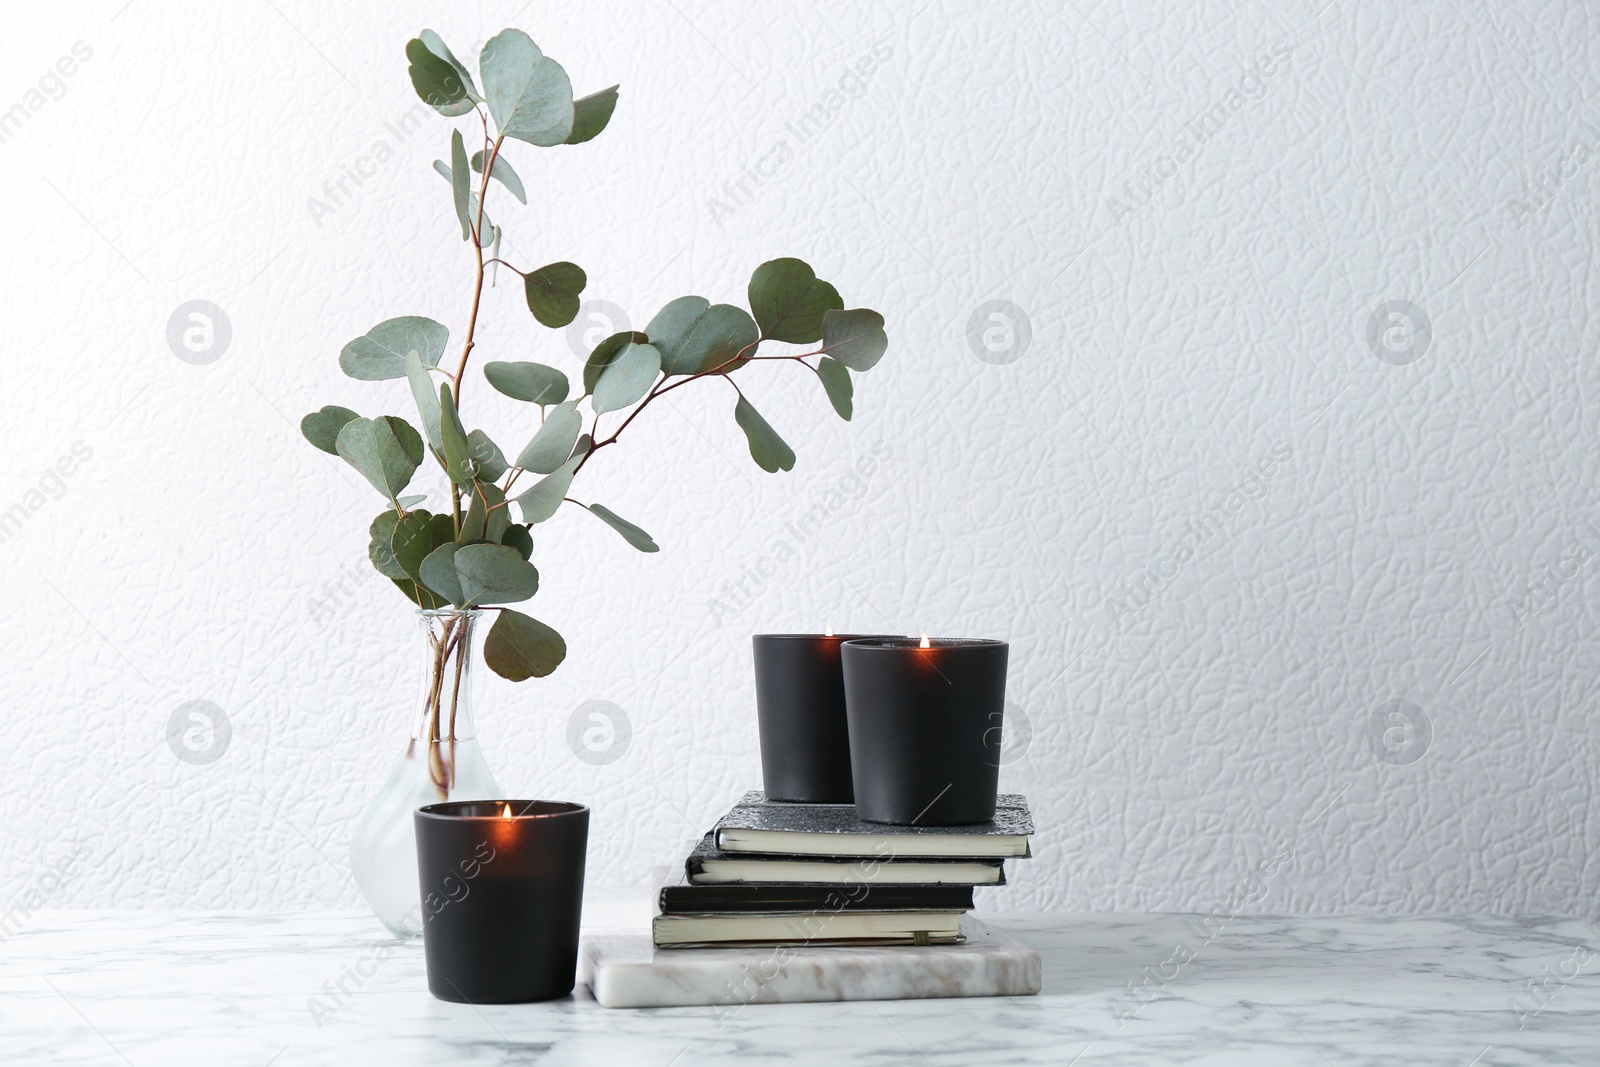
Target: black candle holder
x,y
502,897
925,728
805,739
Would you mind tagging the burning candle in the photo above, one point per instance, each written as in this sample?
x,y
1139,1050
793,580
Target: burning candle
x,y
924,721
805,741
502,896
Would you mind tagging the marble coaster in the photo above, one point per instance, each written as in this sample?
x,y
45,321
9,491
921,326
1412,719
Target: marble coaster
x,y
628,971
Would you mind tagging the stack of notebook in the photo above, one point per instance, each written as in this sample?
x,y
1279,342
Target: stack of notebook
x,y
775,873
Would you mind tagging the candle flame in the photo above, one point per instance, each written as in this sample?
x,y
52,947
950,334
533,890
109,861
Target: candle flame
x,y
507,813
827,631
925,643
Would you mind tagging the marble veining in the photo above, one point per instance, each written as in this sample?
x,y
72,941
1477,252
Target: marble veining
x,y
328,988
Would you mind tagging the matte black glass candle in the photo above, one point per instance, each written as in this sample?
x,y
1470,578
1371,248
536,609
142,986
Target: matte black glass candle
x,y
502,895
805,740
925,728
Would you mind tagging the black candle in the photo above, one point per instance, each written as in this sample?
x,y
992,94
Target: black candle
x,y
805,740
502,895
925,720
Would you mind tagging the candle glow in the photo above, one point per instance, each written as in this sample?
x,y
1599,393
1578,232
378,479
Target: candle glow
x,y
925,643
507,813
827,631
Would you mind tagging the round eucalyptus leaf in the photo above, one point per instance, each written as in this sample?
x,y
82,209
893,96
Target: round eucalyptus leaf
x,y
415,536
552,293
545,497
694,336
436,45
604,353
384,458
322,427
627,378
494,574
381,532
436,81
789,300
519,538
770,451
380,354
529,94
590,115
552,445
532,382
488,462
855,338
438,572
520,647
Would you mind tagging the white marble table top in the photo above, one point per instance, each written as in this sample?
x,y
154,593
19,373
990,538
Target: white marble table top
x,y
159,988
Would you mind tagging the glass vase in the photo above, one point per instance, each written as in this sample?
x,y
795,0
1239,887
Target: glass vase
x,y
442,761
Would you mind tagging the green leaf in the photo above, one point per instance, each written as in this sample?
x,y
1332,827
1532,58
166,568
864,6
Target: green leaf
x,y
769,450
416,536
789,300
438,571
436,45
532,382
590,115
502,173
529,94
584,446
472,523
519,647
453,440
499,518
855,338
444,171
322,427
461,183
604,353
519,538
626,378
552,293
379,551
552,445
694,336
438,80
385,450
494,574
836,380
485,519
544,498
488,462
380,354
630,533
427,401
475,574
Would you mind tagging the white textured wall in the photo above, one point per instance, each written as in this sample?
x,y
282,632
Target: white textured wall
x,y
1185,725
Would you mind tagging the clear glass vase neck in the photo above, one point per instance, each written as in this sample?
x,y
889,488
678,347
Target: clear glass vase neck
x,y
451,641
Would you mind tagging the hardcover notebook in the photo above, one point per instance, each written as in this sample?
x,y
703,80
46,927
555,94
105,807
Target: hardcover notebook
x,y
869,927
707,864
757,824
685,898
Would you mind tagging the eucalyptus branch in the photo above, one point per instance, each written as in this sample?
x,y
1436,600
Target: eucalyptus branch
x,y
657,390
787,303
